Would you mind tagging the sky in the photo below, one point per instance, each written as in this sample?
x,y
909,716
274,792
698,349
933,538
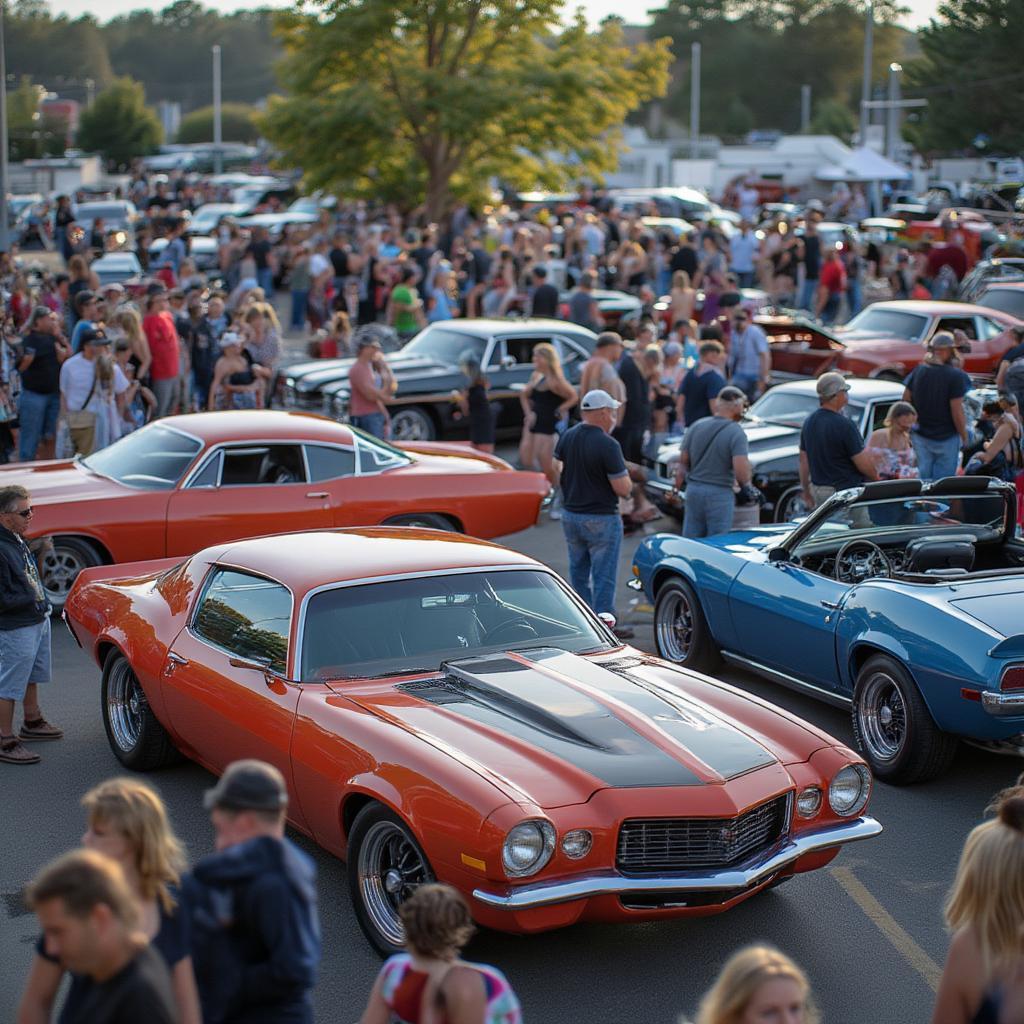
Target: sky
x,y
632,10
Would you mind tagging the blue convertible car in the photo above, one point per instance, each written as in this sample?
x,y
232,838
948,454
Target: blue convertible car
x,y
901,600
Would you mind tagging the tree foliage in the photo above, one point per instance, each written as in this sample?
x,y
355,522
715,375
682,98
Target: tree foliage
x,y
760,52
833,117
119,126
31,133
969,71
237,123
419,100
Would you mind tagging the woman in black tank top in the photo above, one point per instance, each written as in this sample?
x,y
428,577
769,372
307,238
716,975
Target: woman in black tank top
x,y
546,399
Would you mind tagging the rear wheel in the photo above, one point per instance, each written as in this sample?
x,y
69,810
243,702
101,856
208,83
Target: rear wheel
x,y
893,726
385,866
136,736
60,566
680,629
790,505
412,423
424,520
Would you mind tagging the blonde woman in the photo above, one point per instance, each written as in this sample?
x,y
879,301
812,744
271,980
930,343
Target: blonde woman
x,y
682,297
127,822
983,981
128,321
759,984
547,397
430,984
890,445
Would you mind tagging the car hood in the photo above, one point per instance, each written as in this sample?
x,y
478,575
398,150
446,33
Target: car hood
x,y
762,437
553,728
857,343
404,367
52,483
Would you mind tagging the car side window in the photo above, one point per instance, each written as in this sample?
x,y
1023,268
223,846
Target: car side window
x,y
209,475
988,328
329,463
520,349
958,323
879,411
248,616
570,354
263,464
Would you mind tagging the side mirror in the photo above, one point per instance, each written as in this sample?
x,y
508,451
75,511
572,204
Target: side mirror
x,y
778,555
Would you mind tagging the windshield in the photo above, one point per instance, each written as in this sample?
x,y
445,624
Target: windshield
x,y
889,323
981,515
154,458
445,346
113,214
777,406
1006,300
416,624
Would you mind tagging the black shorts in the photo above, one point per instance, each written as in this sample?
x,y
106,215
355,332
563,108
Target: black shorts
x,y
631,441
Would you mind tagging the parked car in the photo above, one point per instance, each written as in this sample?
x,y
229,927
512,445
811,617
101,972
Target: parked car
x,y
989,272
119,219
618,310
772,425
1006,296
449,709
204,478
897,599
275,223
208,216
116,268
427,370
202,250
682,203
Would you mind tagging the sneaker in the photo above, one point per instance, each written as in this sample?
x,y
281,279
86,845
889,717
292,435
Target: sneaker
x,y
13,752
40,729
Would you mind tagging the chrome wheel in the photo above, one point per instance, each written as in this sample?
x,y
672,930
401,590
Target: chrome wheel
x,y
882,716
674,626
59,570
390,867
790,506
411,425
126,704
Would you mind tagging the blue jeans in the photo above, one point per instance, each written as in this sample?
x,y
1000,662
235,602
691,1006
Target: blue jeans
x,y
594,542
300,301
936,459
745,278
807,295
709,510
747,383
373,423
37,419
853,297
265,279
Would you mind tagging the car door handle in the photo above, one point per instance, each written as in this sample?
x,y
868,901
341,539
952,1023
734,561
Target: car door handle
x,y
317,494
830,604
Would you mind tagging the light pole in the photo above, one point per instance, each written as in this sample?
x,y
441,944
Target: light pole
x,y
805,109
694,101
5,238
218,165
865,86
892,134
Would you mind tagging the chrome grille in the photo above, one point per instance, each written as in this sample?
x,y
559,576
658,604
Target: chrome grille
x,y
684,844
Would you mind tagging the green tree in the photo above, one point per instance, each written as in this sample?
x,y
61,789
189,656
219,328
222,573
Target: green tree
x,y
238,124
119,125
833,117
427,100
969,71
738,119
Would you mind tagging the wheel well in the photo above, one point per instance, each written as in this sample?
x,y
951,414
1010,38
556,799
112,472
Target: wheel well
x,y
351,808
102,553
103,649
661,577
862,652
448,517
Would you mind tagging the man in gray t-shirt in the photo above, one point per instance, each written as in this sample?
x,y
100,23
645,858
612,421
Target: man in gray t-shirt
x,y
713,459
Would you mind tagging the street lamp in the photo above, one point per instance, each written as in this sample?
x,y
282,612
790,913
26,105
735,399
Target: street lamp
x,y
5,238
892,134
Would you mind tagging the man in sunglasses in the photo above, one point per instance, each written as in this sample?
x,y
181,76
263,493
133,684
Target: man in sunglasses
x,y
24,632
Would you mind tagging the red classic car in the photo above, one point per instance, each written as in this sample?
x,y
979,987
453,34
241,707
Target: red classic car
x,y
887,339
181,483
445,708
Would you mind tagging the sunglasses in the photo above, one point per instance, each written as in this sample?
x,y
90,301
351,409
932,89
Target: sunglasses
x,y
24,513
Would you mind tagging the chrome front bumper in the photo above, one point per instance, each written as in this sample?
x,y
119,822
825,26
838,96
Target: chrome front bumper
x,y
543,894
1003,704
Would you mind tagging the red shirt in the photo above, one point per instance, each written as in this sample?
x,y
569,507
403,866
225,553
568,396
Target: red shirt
x,y
362,374
163,345
833,277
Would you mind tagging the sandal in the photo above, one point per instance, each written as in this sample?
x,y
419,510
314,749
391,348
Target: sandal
x,y
40,729
12,751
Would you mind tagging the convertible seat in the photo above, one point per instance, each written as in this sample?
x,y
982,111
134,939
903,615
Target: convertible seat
x,y
929,553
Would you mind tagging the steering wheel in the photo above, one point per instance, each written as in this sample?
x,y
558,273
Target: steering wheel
x,y
519,629
855,566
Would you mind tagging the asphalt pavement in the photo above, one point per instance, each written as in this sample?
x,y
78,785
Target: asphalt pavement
x,y
868,929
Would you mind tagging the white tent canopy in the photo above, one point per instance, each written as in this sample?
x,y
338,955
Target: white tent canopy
x,y
863,164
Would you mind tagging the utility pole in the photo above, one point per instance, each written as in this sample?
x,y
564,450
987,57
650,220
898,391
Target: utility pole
x,y
694,100
892,135
865,86
5,238
805,110
90,92
218,163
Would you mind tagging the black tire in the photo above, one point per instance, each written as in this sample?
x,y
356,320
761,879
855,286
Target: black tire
x,y
424,520
59,567
134,733
681,631
790,504
413,423
378,839
893,726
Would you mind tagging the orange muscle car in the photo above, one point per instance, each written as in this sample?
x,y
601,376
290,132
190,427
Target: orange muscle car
x,y
185,482
445,708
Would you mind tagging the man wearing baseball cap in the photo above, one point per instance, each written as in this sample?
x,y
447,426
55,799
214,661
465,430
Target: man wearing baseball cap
x,y
832,454
252,906
368,394
593,478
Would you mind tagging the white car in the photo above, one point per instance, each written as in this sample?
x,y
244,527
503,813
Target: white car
x,y
115,267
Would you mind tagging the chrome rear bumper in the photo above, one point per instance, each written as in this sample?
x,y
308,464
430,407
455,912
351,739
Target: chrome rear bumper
x,y
1004,704
526,897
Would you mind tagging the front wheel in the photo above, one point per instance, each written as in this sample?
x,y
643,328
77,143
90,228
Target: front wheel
x,y
681,631
790,505
60,565
136,736
894,728
412,423
385,866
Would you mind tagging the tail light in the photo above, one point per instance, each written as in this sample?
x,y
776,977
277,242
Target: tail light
x,y
1013,678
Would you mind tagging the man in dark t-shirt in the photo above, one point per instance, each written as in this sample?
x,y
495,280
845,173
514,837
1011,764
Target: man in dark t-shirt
x,y
832,455
43,349
701,384
544,301
90,919
593,477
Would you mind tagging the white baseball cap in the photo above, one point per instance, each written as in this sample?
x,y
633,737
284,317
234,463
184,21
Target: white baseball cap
x,y
598,399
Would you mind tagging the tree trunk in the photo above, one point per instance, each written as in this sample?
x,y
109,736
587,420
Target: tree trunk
x,y
438,197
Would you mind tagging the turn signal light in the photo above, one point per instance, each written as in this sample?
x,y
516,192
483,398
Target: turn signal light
x,y
1013,678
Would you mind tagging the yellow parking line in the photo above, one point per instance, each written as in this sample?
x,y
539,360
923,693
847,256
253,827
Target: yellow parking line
x,y
888,926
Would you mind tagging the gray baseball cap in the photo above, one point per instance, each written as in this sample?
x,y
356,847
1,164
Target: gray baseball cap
x,y
598,399
248,786
831,384
942,339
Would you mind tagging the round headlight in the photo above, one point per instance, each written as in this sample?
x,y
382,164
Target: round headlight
x,y
528,847
849,790
808,803
577,843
